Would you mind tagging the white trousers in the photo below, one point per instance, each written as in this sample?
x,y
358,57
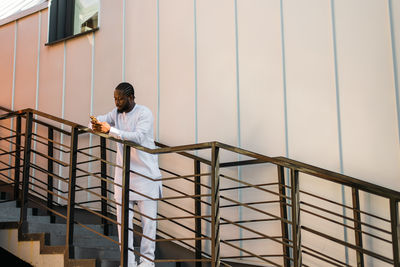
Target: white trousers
x,y
149,227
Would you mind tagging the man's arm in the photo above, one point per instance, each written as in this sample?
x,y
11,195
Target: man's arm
x,y
138,135
102,123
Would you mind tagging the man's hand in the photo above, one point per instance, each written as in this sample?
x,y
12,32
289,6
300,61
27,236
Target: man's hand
x,y
102,127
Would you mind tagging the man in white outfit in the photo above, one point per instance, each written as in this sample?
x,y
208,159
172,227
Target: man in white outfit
x,y
133,122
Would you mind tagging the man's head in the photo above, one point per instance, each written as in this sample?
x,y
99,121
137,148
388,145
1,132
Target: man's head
x,y
124,97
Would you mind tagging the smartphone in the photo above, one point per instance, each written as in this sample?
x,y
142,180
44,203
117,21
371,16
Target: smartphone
x,y
94,120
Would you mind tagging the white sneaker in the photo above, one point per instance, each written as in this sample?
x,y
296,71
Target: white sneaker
x,y
145,263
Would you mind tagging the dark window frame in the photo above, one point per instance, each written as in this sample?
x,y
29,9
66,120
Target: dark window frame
x,y
61,21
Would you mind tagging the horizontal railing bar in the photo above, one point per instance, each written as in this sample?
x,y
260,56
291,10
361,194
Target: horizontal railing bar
x,y
182,242
96,194
188,155
251,221
251,203
62,163
98,233
8,137
249,256
180,192
184,176
43,183
5,176
341,179
48,191
250,253
248,238
254,186
87,147
247,186
47,208
12,142
256,232
58,129
345,225
98,214
88,202
52,141
54,147
86,161
324,255
8,168
347,218
240,163
170,172
258,210
321,258
8,129
178,207
179,224
342,205
93,174
346,244
55,176
100,159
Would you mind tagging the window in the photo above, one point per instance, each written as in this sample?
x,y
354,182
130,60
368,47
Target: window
x,y
72,17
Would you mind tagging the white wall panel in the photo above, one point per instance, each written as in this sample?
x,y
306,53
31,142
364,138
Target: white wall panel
x,y
26,62
311,92
261,78
141,62
6,63
369,122
51,73
177,107
217,111
78,80
108,56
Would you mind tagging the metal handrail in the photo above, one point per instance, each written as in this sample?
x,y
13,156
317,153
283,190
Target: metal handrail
x,y
288,194
281,161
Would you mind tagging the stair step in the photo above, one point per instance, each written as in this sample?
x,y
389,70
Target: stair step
x,y
96,253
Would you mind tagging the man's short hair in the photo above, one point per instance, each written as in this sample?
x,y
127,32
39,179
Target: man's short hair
x,y
126,89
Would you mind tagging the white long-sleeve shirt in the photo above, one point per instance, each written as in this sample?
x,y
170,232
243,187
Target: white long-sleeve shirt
x,y
135,126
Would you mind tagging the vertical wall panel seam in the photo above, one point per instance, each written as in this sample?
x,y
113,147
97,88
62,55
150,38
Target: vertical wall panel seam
x,y
339,124
91,108
196,136
37,87
238,116
158,67
13,87
123,39
62,114
395,66
285,110
14,65
284,80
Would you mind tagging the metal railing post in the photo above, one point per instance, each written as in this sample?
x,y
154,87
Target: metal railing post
x,y
284,215
357,226
50,169
103,166
71,194
125,205
197,210
215,216
26,169
17,164
296,233
394,218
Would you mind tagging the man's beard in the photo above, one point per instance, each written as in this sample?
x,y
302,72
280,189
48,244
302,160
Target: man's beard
x,y
124,108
